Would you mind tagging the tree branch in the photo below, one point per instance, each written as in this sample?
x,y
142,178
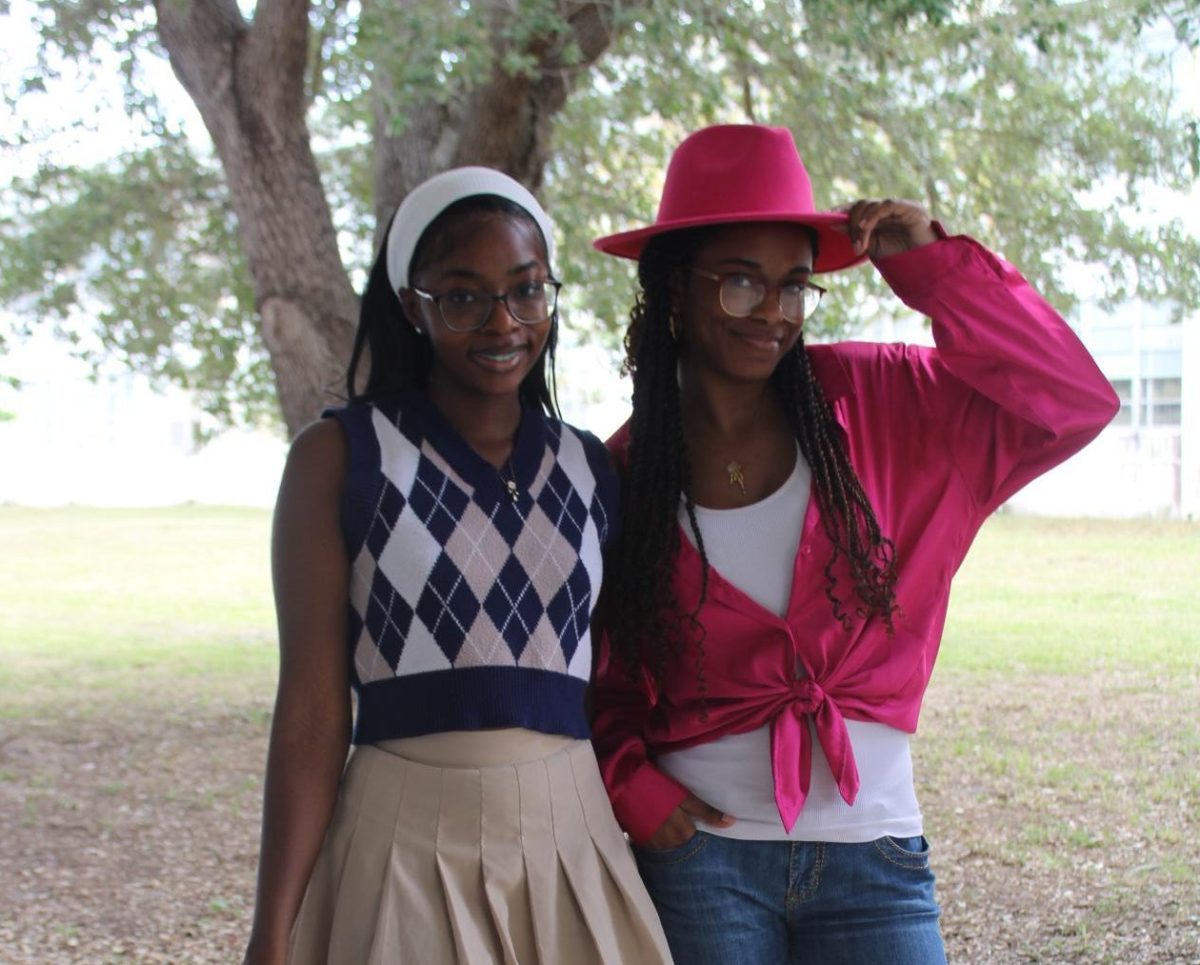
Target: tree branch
x,y
592,24
504,122
276,54
200,36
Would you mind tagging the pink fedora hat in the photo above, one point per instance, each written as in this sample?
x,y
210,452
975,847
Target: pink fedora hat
x,y
732,173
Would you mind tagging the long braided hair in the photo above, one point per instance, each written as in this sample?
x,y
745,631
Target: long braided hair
x,y
640,612
397,357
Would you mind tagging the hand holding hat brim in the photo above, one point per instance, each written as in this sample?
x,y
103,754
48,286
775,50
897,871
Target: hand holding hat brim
x,y
885,227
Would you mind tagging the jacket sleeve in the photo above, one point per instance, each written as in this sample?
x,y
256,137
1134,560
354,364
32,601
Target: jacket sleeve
x,y
1029,393
642,796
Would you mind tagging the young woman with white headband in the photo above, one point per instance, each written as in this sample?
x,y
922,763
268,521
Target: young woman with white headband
x,y
437,549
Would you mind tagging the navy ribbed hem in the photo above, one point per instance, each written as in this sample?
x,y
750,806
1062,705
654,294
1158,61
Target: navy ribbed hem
x,y
474,698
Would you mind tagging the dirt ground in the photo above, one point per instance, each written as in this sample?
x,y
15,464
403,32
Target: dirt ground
x,y
1062,814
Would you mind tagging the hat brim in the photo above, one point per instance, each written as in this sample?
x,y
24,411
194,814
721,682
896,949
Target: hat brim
x,y
835,252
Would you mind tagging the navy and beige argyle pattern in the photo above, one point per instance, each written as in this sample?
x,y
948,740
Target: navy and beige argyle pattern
x,y
447,578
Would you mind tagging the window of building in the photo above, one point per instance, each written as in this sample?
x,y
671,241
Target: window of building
x,y
1149,403
1161,402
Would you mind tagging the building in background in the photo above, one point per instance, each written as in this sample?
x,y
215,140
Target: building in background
x,y
1147,462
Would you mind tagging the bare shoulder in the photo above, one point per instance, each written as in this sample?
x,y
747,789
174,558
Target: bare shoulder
x,y
317,459
321,443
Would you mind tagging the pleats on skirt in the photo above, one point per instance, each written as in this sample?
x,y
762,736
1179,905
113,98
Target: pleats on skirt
x,y
473,848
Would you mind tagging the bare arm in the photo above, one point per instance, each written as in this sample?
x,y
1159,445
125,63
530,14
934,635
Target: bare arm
x,y
310,730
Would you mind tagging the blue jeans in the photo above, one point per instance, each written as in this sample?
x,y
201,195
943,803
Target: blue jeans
x,y
724,901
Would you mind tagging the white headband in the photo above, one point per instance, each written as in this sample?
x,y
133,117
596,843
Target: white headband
x,y
430,198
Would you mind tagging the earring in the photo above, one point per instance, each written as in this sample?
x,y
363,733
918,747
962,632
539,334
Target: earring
x,y
673,325
418,330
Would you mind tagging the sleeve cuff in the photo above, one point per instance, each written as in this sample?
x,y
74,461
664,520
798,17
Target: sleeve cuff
x,y
914,273
647,801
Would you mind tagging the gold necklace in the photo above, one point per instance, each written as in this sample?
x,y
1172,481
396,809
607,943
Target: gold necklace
x,y
736,476
737,473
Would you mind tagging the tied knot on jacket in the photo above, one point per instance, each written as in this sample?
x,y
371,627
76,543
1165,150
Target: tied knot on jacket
x,y
807,696
792,743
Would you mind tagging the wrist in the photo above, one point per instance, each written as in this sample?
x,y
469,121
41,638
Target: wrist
x,y
918,237
923,235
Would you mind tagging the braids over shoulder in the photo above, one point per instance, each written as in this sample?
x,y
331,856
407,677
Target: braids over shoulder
x,y
639,607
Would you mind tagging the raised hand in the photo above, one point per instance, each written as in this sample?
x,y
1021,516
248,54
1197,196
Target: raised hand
x,y
887,227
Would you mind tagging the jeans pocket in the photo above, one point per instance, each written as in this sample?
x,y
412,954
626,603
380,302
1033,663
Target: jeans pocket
x,y
680,853
911,853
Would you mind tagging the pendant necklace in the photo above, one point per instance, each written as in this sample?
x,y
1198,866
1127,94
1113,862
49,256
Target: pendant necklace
x,y
735,470
736,476
509,480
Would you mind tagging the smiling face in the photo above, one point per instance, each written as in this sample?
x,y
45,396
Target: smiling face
x,y
491,253
742,349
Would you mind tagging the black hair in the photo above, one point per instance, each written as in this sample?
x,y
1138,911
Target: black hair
x,y
639,607
398,358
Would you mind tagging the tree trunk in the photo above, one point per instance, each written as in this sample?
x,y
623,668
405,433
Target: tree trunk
x,y
248,82
247,79
504,124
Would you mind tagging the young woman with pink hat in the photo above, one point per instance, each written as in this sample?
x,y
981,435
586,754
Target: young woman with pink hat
x,y
437,548
793,516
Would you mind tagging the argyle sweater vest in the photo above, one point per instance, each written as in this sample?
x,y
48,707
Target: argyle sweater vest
x,y
469,607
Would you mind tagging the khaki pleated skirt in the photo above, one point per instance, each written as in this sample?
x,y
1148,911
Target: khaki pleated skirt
x,y
472,848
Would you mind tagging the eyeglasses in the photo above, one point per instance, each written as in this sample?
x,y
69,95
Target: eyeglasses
x,y
741,293
468,309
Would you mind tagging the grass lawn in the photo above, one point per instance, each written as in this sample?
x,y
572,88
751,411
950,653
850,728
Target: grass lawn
x,y
154,606
1072,596
1058,759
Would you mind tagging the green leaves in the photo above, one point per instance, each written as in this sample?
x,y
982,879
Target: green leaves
x,y
142,255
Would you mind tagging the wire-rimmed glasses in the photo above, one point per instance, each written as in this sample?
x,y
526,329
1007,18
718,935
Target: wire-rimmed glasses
x,y
741,293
